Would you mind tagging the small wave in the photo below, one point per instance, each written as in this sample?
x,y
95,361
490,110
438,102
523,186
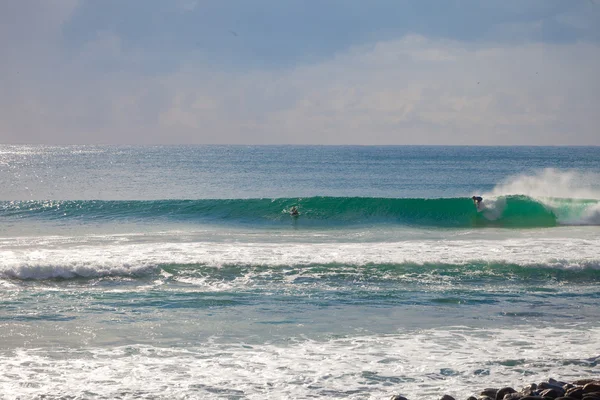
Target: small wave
x,y
73,270
63,257
229,275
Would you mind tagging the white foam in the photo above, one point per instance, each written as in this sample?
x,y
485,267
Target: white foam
x,y
492,207
418,364
553,188
21,261
551,183
592,214
589,215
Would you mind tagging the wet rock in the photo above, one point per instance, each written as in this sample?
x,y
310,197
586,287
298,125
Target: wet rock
x,y
557,383
504,391
548,385
532,398
582,389
529,389
514,396
552,393
489,392
583,382
591,387
576,392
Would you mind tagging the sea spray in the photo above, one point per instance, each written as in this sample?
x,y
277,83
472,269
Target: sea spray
x,y
550,183
571,196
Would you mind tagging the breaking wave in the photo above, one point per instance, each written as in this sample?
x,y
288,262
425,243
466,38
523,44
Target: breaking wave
x,y
498,211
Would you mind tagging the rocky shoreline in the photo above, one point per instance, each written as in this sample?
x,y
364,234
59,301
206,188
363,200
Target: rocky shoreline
x,y
582,389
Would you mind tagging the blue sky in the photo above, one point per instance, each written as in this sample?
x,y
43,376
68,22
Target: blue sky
x,y
300,72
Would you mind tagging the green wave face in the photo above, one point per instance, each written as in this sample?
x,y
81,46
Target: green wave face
x,y
507,211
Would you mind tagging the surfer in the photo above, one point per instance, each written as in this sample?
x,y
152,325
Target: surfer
x,y
294,212
477,201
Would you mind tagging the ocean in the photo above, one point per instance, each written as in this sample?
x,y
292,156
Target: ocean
x,y
177,272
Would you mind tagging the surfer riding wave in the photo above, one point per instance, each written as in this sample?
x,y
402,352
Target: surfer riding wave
x,y
477,200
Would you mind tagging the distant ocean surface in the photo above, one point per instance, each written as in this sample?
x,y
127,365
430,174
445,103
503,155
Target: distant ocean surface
x,y
178,272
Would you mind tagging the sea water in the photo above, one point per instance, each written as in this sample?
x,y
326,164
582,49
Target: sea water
x,y
177,272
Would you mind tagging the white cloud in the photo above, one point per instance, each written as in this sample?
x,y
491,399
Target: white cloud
x,y
188,5
30,30
414,90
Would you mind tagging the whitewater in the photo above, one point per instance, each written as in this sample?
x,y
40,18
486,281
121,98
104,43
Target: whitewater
x,y
177,272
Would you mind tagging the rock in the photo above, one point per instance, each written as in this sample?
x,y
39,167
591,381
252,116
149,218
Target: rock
x,y
504,391
576,392
557,383
583,382
528,390
552,393
591,387
548,385
581,389
514,396
489,392
532,398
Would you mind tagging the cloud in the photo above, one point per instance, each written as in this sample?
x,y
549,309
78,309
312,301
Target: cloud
x,y
30,30
188,5
412,89
30,36
409,91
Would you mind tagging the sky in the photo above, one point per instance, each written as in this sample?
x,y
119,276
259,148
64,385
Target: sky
x,y
377,72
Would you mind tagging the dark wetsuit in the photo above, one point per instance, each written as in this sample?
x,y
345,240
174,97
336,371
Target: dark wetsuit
x,y
477,199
